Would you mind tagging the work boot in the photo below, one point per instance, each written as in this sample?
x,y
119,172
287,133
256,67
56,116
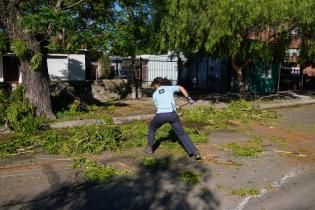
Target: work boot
x,y
196,156
149,150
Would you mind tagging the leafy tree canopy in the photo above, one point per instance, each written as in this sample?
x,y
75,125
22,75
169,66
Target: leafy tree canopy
x,y
226,28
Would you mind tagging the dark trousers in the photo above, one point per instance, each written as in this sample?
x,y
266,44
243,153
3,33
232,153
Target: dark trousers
x,y
172,118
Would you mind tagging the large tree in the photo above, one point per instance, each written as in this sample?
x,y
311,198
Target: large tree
x,y
304,19
36,26
242,31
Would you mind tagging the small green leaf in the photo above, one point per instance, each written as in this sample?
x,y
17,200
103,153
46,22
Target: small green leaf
x,y
19,48
36,61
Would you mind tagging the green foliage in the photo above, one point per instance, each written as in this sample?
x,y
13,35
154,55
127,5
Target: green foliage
x,y
198,114
19,48
20,114
36,61
96,171
21,118
76,108
135,138
223,27
138,136
18,142
4,43
53,142
3,106
108,120
88,139
197,135
245,192
46,17
18,94
189,177
136,27
217,118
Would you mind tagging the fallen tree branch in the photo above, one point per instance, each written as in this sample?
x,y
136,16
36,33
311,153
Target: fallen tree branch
x,y
288,152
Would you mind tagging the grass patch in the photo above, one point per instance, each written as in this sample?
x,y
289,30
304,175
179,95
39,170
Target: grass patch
x,y
189,177
244,192
96,171
154,163
253,148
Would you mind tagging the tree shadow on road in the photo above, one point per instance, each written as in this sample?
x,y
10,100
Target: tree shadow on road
x,y
157,186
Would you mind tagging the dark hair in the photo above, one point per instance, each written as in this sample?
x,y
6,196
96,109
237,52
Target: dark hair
x,y
161,81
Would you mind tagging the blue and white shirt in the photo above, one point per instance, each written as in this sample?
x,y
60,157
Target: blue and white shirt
x,y
163,98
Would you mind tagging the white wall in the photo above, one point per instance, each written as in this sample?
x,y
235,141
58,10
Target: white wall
x,y
76,67
161,66
1,69
66,67
58,67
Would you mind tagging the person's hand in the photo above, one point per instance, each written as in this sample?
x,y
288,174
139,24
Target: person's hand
x,y
190,100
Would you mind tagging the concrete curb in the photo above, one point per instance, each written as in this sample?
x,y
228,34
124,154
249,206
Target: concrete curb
x,y
288,104
76,123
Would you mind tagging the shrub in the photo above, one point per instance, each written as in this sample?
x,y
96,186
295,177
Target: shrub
x,y
20,114
74,109
21,118
77,106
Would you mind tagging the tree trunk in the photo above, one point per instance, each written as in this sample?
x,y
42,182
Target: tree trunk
x,y
241,88
36,82
239,73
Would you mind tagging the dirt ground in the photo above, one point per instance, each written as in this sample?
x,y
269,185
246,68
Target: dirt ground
x,y
282,176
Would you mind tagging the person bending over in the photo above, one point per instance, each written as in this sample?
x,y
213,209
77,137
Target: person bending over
x,y
163,98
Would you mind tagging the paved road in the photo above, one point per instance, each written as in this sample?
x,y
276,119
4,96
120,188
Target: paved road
x,y
282,181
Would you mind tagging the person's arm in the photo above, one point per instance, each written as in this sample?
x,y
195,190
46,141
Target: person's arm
x,y
185,93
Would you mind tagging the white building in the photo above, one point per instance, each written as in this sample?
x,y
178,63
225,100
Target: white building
x,y
61,67
66,67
